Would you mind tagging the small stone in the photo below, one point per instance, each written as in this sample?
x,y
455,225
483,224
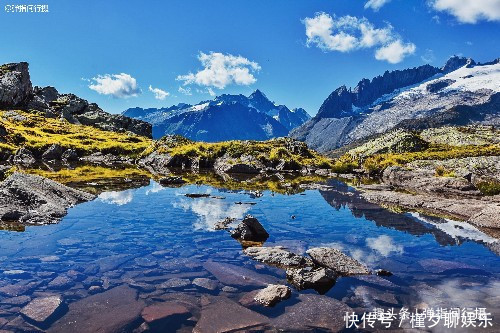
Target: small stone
x,y
175,283
273,294
19,300
224,224
41,310
206,283
61,282
17,274
320,279
229,289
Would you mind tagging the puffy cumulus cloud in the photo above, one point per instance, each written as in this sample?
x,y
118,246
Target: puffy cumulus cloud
x,y
159,94
384,245
348,33
469,11
395,52
117,85
375,4
220,70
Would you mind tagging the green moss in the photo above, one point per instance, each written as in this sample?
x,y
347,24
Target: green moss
x,y
491,187
441,171
268,152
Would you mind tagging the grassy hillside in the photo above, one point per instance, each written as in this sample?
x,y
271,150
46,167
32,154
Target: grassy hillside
x,y
402,147
37,133
271,151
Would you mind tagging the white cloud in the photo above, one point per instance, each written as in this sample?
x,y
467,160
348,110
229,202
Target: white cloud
x,y
117,85
348,33
395,51
220,70
185,91
375,4
159,94
469,11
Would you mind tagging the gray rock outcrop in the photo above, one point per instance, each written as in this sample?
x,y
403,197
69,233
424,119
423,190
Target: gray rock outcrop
x,y
277,256
337,261
36,200
16,91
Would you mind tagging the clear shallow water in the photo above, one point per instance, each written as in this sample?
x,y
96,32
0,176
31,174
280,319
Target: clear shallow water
x,y
149,235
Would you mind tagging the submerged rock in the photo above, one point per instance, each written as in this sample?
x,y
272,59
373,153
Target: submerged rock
x,y
223,315
337,261
36,200
115,310
41,311
250,229
205,283
236,275
162,311
272,294
277,256
311,314
319,279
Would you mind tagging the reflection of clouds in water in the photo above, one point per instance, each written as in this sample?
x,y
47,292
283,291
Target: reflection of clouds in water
x,y
117,198
384,245
376,248
457,230
461,294
155,188
210,211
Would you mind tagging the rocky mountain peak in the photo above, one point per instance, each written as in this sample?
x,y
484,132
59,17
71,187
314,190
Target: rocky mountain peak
x,y
16,91
258,95
337,105
455,63
15,84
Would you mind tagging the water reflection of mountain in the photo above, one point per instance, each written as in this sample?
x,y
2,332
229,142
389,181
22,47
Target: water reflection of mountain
x,y
341,195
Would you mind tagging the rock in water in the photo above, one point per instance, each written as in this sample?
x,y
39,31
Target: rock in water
x,y
319,279
250,229
163,311
223,315
273,294
276,256
37,200
236,275
112,311
337,261
313,312
41,311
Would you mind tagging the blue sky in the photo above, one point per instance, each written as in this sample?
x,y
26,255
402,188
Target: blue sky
x,y
246,45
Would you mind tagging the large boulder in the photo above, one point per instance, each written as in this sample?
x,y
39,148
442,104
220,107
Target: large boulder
x,y
245,164
251,230
24,156
320,279
337,261
15,84
54,152
277,256
36,200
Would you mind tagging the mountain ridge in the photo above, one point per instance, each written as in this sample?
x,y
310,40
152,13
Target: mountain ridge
x,y
255,117
461,92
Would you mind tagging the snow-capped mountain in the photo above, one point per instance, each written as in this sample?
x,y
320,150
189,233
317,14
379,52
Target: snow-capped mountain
x,y
226,117
461,92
